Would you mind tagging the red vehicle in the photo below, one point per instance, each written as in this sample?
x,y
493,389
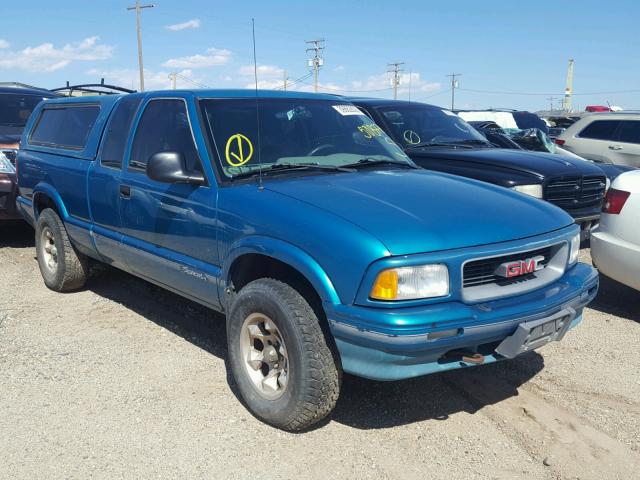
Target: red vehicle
x,y
597,108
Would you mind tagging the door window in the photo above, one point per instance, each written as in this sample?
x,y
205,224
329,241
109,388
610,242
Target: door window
x,y
164,127
629,131
118,132
600,130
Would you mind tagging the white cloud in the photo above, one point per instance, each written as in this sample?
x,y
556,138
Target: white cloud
x,y
46,57
4,43
176,27
269,76
212,57
339,68
408,81
153,80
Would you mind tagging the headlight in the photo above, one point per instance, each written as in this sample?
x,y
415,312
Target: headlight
x,y
575,249
533,190
5,165
410,283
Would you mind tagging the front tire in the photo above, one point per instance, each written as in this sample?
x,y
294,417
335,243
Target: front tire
x,y
63,268
282,365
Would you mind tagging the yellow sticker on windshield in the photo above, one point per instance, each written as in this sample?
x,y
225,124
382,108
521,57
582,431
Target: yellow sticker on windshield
x,y
370,130
239,150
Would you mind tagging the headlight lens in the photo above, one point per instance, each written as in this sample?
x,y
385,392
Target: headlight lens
x,y
5,165
410,283
575,249
533,190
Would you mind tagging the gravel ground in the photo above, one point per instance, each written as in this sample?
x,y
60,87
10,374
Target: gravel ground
x,y
125,380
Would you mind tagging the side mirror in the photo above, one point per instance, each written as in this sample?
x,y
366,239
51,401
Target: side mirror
x,y
168,167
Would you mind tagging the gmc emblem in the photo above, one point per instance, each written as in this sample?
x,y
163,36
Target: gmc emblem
x,y
519,267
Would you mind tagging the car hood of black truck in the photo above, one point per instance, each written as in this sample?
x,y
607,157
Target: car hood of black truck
x,y
539,164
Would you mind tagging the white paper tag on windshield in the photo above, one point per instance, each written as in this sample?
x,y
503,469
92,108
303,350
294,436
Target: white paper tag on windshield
x,y
348,110
449,112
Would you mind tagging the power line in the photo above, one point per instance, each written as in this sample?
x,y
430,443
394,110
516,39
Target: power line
x,y
138,8
197,84
395,80
316,61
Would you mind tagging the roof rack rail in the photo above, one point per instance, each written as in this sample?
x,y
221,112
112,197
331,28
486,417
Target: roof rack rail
x,y
93,89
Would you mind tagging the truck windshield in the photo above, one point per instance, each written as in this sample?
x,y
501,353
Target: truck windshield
x,y
419,125
15,109
294,133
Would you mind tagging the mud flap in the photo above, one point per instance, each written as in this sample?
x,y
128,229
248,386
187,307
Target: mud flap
x,y
534,334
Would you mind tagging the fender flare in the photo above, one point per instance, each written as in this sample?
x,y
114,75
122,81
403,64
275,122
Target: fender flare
x,y
48,190
287,253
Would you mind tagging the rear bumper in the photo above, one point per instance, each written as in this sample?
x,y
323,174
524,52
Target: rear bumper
x,y
616,258
396,353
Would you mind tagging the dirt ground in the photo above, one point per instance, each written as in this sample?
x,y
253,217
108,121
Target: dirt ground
x,y
125,380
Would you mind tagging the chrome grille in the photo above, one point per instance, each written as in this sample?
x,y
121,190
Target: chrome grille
x,y
572,193
480,272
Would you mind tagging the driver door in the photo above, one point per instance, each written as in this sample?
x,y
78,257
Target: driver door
x,y
169,229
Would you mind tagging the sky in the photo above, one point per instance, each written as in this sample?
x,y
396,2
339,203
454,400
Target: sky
x,y
511,54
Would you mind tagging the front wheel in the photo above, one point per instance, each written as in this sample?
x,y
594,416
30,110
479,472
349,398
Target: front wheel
x,y
284,369
63,268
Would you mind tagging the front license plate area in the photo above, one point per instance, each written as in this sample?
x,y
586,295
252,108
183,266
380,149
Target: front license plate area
x,y
535,333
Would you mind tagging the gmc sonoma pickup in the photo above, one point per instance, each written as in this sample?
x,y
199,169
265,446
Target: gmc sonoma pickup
x,y
326,248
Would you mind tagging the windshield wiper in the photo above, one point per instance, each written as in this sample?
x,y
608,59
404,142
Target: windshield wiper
x,y
366,161
475,141
437,144
285,167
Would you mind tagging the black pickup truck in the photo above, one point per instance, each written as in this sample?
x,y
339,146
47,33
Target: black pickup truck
x,y
437,139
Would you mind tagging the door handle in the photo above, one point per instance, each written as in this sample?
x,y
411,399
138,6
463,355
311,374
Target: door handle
x,y
125,191
615,147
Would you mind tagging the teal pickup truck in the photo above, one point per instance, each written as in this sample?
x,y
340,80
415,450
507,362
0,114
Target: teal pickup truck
x,y
297,217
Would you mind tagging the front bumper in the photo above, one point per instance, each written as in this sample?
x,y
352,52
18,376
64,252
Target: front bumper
x,y
418,340
8,192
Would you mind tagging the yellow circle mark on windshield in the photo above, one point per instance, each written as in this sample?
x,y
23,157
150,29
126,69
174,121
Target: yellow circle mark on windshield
x,y
239,150
411,137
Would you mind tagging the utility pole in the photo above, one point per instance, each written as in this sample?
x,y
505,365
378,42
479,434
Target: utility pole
x,y
316,61
568,91
454,85
137,8
173,76
284,79
551,99
395,69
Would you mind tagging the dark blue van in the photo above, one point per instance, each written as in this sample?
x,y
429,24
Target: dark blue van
x,y
296,216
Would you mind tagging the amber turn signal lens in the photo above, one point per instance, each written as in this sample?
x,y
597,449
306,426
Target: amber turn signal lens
x,y
386,286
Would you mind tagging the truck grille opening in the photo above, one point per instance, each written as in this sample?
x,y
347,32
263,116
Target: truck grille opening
x,y
572,193
481,272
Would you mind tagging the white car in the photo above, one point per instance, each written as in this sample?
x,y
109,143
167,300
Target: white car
x,y
615,243
611,137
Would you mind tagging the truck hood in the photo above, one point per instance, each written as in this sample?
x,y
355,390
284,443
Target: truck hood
x,y
416,211
536,163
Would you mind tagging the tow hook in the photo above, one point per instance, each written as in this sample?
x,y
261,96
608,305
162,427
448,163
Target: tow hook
x,y
475,358
465,356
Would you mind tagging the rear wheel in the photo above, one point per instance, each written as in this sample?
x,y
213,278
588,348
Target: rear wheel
x,y
284,369
63,268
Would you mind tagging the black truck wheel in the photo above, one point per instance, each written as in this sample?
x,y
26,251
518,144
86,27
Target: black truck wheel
x,y
282,365
63,268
